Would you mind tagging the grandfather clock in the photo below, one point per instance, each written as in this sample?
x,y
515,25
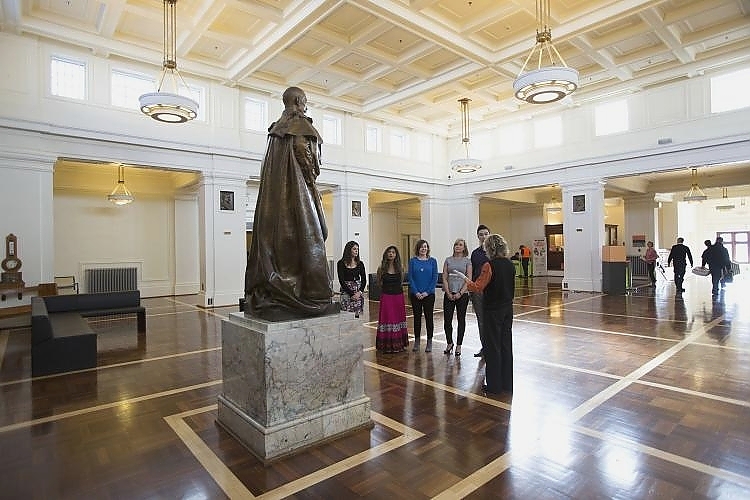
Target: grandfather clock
x,y
10,278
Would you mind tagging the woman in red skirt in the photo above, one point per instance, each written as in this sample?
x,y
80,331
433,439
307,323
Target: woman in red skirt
x,y
392,334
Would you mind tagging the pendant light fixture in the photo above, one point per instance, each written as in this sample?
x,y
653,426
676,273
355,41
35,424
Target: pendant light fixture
x,y
727,205
465,165
550,82
170,107
695,193
120,195
554,206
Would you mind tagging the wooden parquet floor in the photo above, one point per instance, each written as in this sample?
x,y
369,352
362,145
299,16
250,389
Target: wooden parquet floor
x,y
638,396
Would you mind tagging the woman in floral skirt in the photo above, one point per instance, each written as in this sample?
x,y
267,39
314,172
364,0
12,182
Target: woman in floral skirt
x,y
352,278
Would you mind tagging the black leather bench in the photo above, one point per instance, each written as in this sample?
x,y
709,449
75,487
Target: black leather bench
x,y
61,338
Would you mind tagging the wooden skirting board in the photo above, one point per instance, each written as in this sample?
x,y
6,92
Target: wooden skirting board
x,y
6,312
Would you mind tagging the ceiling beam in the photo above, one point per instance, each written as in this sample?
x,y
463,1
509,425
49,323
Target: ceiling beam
x,y
294,26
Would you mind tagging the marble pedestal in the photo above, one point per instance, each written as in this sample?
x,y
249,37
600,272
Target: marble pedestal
x,y
291,384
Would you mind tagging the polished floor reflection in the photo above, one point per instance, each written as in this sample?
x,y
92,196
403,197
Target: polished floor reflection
x,y
639,396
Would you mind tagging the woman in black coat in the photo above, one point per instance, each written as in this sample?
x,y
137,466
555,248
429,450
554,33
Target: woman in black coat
x,y
496,281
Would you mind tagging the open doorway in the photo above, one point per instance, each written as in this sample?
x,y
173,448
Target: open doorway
x,y
395,219
555,247
408,241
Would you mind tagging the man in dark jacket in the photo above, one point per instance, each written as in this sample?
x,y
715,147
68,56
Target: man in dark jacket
x,y
680,254
478,258
719,263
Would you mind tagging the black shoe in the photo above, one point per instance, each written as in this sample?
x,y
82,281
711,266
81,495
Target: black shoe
x,y
479,354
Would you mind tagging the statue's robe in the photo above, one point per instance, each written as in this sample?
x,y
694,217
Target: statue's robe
x,y
287,273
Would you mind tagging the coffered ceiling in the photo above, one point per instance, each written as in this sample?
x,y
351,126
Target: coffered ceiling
x,y
408,61
405,61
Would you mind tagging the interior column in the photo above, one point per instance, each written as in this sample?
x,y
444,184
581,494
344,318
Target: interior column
x,y
583,233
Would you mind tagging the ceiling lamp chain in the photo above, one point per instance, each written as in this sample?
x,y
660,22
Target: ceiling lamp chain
x,y
170,107
465,165
120,195
695,193
548,83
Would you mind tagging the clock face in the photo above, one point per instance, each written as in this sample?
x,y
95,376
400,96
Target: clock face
x,y
11,264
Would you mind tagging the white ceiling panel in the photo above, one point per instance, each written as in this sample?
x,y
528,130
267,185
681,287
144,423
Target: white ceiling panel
x,y
391,58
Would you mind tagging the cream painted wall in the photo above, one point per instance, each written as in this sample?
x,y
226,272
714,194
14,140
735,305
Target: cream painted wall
x,y
668,231
186,249
384,231
26,212
701,221
494,215
639,219
91,231
614,214
519,225
526,225
407,226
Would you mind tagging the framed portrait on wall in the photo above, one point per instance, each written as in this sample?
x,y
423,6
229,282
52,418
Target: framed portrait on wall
x,y
356,208
579,203
226,200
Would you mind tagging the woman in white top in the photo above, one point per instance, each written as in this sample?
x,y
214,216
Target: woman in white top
x,y
455,294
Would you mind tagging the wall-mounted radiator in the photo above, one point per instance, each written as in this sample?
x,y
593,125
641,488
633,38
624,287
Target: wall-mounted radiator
x,y
111,279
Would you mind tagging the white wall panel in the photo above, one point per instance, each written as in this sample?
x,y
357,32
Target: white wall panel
x,y
89,229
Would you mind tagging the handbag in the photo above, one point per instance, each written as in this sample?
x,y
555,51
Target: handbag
x,y
728,277
701,271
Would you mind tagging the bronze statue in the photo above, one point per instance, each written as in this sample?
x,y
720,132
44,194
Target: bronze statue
x,y
287,270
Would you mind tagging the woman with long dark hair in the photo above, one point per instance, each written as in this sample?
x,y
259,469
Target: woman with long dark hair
x,y
352,278
392,335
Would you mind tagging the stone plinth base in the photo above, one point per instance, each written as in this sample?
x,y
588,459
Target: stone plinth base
x,y
289,385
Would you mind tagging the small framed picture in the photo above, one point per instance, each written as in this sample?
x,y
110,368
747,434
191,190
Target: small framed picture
x,y
579,203
356,208
226,200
